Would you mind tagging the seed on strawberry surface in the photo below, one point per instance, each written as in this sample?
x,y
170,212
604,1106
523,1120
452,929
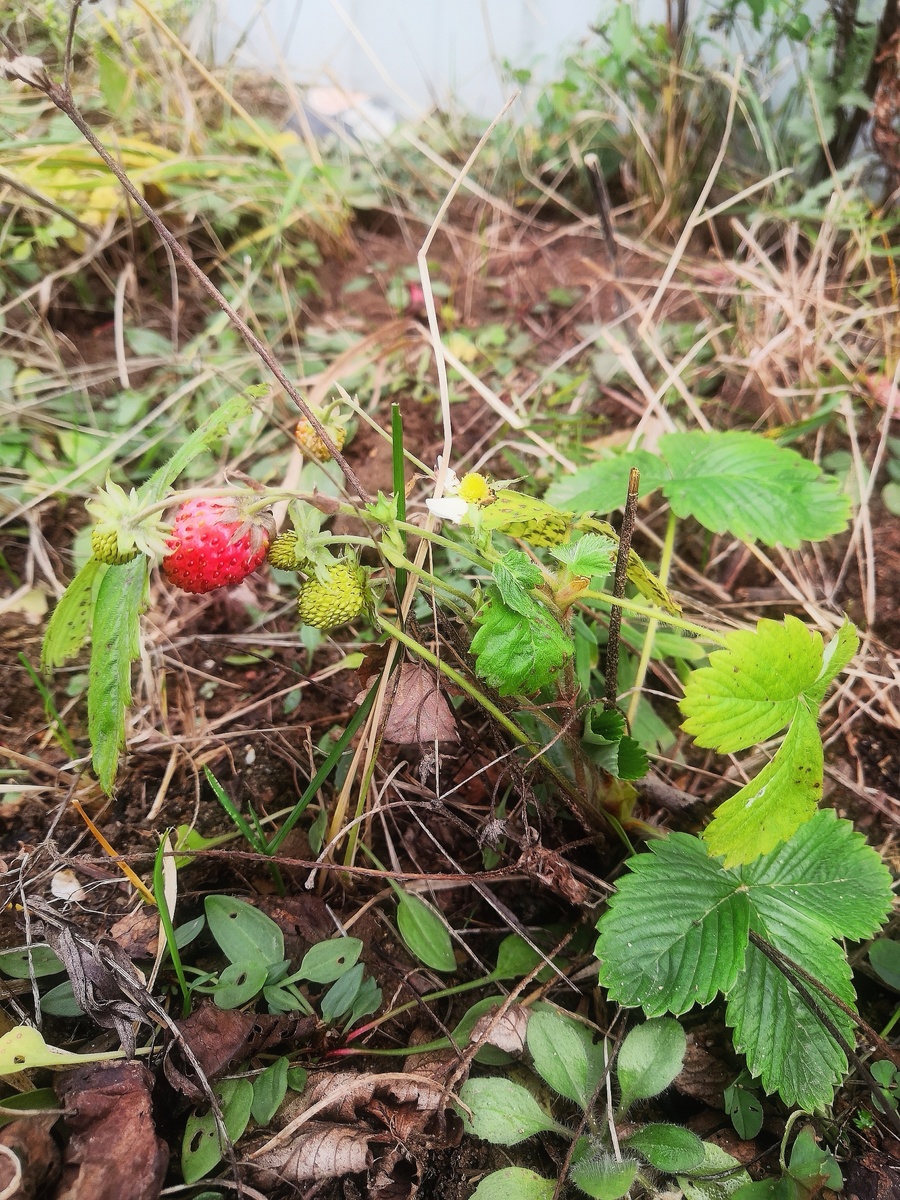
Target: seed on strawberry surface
x,y
215,543
340,598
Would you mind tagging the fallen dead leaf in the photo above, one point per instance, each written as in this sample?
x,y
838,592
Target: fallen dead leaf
x,y
113,1151
506,1032
324,1151
138,933
30,1141
418,710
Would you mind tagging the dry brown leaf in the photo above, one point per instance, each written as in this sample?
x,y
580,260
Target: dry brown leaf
x,y
418,710
506,1032
322,1151
113,1151
138,933
30,1141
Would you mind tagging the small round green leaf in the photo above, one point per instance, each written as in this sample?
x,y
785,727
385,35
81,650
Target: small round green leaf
x,y
201,1148
327,961
43,961
565,1055
650,1057
669,1148
238,984
514,1183
244,933
503,1112
604,1177
425,933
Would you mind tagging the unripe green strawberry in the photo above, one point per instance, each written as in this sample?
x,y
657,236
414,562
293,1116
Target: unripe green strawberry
x,y
214,542
283,553
343,596
312,445
105,547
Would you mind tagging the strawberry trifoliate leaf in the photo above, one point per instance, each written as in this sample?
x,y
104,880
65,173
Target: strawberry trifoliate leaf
x,y
593,554
750,691
518,653
70,624
663,944
747,485
776,802
827,874
515,575
676,930
116,642
603,486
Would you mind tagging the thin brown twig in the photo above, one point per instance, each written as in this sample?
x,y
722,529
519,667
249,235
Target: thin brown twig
x,y
615,617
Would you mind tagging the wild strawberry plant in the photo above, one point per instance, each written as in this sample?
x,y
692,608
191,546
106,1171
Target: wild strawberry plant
x,y
770,888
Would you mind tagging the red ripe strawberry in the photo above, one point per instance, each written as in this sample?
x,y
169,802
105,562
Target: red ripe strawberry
x,y
214,543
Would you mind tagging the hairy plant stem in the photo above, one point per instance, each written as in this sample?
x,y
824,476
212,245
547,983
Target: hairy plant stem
x,y
655,614
665,563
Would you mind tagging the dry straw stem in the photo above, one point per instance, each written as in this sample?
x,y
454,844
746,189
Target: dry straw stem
x,y
367,747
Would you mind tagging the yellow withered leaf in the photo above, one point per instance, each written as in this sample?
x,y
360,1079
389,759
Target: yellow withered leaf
x,y
534,521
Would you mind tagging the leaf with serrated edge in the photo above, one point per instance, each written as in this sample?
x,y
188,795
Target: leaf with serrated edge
x,y
565,1055
603,486
592,554
69,626
116,643
750,691
747,485
214,425
676,930
502,1112
835,657
775,803
518,654
515,574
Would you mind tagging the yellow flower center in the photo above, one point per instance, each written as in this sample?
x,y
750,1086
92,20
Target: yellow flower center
x,y
474,488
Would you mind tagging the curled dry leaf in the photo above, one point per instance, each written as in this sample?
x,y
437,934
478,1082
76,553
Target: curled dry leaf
x,y
65,886
113,1151
506,1032
138,933
322,1151
26,68
219,1037
553,872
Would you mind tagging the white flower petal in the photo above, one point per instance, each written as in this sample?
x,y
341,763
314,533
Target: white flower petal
x,y
451,479
448,508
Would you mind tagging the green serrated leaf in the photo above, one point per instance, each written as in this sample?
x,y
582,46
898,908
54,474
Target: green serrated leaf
x,y
116,642
603,486
515,653
502,1112
750,690
835,657
425,933
669,1148
593,554
633,762
748,486
515,574
775,803
69,625
565,1055
514,1183
650,1057
676,931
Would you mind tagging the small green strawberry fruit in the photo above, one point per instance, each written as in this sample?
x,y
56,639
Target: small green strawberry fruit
x,y
284,552
341,597
312,445
105,547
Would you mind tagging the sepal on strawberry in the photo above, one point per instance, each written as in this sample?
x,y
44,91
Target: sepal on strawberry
x,y
122,528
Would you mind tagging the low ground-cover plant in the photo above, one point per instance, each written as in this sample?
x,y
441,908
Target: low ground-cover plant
x,y
770,875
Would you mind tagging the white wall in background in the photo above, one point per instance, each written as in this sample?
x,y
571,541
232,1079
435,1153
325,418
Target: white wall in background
x,y
412,53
